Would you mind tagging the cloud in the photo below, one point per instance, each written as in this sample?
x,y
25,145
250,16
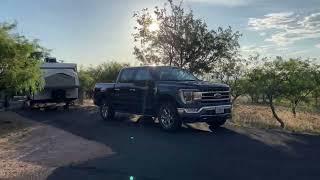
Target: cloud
x,y
251,49
230,3
265,50
263,34
272,50
287,27
271,21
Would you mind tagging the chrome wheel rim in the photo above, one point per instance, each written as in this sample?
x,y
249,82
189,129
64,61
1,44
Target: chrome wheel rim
x,y
166,118
105,111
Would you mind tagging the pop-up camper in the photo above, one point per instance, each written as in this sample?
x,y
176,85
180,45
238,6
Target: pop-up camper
x,y
61,83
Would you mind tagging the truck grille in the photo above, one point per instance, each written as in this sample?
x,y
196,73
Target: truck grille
x,y
218,96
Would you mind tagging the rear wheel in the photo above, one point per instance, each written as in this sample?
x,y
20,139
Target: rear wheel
x,y
217,123
66,106
168,117
106,112
27,104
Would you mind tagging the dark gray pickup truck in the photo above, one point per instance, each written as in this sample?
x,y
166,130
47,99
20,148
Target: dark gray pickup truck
x,y
171,94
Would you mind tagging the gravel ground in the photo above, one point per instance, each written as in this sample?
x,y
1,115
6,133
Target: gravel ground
x,y
36,150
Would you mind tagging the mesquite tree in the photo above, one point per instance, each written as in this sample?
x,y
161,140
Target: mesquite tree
x,y
181,39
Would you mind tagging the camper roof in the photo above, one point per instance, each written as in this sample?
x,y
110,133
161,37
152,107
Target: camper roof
x,y
59,66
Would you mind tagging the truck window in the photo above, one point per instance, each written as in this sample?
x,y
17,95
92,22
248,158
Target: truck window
x,y
174,74
127,75
143,74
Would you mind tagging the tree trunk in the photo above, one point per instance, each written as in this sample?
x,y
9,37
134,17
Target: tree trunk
x,y
171,56
181,59
293,109
81,96
274,112
264,99
256,100
6,101
234,99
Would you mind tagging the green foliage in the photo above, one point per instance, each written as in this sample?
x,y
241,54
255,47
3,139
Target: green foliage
x,y
231,71
19,64
105,72
181,40
270,80
86,79
252,84
292,80
300,81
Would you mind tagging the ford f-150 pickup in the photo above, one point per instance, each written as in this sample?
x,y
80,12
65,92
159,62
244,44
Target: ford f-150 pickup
x,y
170,94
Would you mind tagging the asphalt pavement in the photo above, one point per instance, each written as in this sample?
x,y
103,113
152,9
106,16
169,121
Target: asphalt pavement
x,y
142,151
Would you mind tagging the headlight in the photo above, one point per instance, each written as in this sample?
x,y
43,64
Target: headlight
x,y
190,95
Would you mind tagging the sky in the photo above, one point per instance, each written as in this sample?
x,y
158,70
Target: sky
x,y
95,31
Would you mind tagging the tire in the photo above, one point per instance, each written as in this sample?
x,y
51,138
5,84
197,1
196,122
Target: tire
x,y
217,123
66,106
168,117
106,111
28,105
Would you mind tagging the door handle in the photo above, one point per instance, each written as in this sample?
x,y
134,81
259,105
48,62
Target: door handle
x,y
132,90
117,89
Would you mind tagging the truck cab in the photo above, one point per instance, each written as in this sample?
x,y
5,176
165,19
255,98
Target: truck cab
x,y
171,94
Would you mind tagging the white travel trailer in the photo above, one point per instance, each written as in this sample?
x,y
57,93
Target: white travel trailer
x,y
61,84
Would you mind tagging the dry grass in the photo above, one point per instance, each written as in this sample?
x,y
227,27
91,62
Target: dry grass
x,y
11,122
261,116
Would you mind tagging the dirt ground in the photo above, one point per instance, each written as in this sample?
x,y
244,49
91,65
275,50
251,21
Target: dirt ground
x,y
32,150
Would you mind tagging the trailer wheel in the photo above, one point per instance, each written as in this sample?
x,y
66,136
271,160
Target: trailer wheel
x,y
66,106
28,104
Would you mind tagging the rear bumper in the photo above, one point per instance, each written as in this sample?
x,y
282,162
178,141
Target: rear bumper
x,y
53,100
204,114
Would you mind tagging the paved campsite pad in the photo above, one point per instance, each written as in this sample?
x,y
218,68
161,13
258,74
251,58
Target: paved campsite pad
x,y
34,149
77,144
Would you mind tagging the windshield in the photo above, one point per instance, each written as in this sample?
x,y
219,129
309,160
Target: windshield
x,y
173,74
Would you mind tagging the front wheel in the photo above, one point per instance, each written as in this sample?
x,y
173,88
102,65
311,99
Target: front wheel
x,y
106,112
168,117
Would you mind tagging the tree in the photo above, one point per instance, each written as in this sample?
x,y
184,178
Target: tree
x,y
252,86
105,72
19,64
271,81
181,39
316,92
86,82
231,71
300,81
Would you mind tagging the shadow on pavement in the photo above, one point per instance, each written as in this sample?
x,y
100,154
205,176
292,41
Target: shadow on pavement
x,y
144,151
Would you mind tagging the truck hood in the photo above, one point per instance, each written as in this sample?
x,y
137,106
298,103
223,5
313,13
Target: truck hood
x,y
201,85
